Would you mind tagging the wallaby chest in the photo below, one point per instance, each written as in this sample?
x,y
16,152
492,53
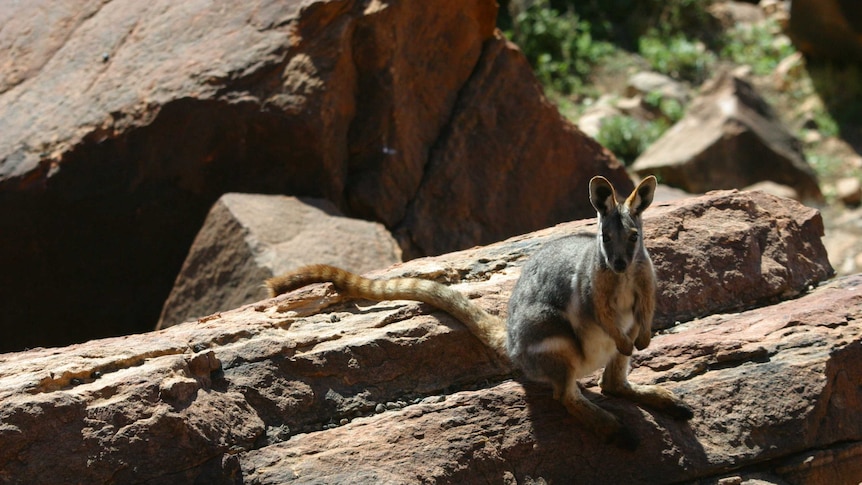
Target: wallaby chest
x,y
616,291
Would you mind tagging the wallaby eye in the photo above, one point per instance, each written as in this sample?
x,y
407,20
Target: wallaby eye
x,y
633,237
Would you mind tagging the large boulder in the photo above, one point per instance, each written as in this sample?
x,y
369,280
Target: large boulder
x,y
247,238
827,29
310,388
729,138
122,122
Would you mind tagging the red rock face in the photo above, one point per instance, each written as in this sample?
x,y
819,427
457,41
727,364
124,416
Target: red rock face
x,y
827,29
121,123
308,387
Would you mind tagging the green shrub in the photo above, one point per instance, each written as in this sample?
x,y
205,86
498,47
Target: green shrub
x,y
757,46
671,109
559,46
628,137
677,56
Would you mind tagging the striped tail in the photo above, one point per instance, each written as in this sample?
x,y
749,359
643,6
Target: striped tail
x,y
486,327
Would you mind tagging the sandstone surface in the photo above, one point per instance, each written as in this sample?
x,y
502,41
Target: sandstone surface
x,y
729,138
247,238
122,122
309,388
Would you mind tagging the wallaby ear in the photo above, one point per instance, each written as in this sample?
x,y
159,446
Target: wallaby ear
x,y
641,196
602,195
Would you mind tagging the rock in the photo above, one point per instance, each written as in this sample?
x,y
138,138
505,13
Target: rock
x,y
729,138
765,385
645,82
544,156
849,190
730,257
843,239
778,10
247,238
636,108
590,122
790,68
258,394
775,189
121,124
827,29
664,193
731,14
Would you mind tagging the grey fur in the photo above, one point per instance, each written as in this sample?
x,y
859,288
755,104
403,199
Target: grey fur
x,y
583,303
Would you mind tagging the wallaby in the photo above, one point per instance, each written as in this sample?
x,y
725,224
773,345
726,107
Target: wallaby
x,y
582,302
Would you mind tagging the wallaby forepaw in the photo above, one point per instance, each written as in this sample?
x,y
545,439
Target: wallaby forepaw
x,y
625,347
643,340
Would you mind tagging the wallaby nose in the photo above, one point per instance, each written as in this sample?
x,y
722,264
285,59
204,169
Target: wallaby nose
x,y
620,265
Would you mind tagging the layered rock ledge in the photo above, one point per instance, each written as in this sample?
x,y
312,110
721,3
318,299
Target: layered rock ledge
x,y
308,388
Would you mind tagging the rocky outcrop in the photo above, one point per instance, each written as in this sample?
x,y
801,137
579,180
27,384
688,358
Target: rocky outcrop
x,y
121,123
827,29
309,388
729,138
774,391
248,238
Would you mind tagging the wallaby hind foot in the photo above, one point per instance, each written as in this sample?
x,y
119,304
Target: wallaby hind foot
x,y
614,382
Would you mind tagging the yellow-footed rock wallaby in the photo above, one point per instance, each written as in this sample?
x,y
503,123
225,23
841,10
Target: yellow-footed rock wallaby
x,y
581,303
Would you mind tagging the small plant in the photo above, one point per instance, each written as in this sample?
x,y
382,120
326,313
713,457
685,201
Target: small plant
x,y
669,108
677,56
628,137
559,46
757,46
826,124
827,167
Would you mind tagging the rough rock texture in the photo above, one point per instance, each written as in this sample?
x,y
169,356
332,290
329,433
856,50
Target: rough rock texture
x,y
247,238
729,138
122,122
827,29
485,177
732,250
307,388
766,386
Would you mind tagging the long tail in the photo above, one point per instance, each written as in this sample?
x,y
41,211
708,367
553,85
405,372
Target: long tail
x,y
486,327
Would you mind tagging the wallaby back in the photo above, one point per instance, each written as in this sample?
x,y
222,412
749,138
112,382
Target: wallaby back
x,y
488,328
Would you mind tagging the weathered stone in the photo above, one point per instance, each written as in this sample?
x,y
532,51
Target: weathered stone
x,y
590,121
644,83
723,252
260,393
790,68
122,122
247,238
729,138
527,183
827,29
849,190
765,384
844,239
731,14
775,189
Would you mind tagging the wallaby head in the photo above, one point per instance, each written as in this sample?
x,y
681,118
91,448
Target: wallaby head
x,y
620,224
